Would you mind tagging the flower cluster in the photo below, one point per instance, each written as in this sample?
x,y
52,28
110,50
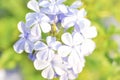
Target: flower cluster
x,y
57,38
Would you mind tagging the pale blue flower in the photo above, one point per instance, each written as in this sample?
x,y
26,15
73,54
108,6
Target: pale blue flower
x,y
50,67
40,20
72,50
75,18
54,9
44,51
27,38
53,6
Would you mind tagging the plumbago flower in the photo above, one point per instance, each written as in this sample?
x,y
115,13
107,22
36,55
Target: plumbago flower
x,y
38,19
44,51
27,38
71,49
53,6
57,38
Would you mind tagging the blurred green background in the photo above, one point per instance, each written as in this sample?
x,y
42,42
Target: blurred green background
x,y
103,64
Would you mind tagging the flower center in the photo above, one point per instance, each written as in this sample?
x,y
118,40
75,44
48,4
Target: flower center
x,y
49,47
53,29
73,46
26,35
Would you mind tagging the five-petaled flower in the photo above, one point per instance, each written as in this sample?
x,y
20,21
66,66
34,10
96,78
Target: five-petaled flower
x,y
50,67
72,50
44,51
27,38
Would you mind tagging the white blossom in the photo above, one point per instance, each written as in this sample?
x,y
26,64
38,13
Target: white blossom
x,y
72,50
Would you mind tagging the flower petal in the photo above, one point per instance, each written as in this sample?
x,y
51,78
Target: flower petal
x,y
72,75
30,19
52,1
76,4
44,18
81,13
45,27
57,60
45,54
64,77
51,54
44,3
35,30
40,46
77,38
58,65
48,73
87,47
35,33
63,8
89,32
82,23
53,9
59,70
29,46
33,5
78,50
67,38
39,64
69,75
22,27
64,51
60,1
50,40
19,45
56,45
75,61
68,22
30,15
42,55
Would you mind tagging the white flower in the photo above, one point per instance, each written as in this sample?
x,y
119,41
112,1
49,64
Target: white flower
x,y
50,67
73,18
72,50
53,6
40,20
45,51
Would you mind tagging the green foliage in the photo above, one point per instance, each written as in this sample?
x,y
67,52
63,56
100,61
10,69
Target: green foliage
x,y
103,64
